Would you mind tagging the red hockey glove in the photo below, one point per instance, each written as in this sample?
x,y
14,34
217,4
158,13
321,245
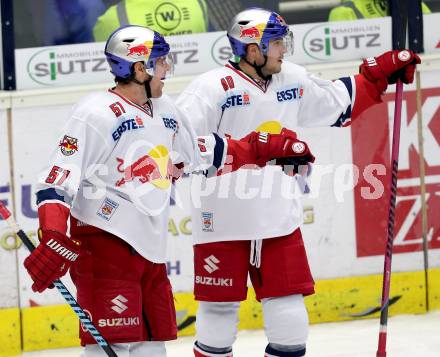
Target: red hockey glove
x,y
51,259
276,146
259,148
388,67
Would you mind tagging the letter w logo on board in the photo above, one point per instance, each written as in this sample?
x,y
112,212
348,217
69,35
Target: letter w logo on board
x,y
211,262
167,15
119,305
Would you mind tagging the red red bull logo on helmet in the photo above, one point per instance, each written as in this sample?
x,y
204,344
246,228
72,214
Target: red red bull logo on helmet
x,y
155,168
142,49
251,32
254,32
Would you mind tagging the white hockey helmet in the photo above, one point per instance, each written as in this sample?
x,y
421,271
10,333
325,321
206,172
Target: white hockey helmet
x,y
130,44
259,26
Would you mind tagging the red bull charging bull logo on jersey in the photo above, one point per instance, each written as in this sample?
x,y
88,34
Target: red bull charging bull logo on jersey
x,y
143,49
154,167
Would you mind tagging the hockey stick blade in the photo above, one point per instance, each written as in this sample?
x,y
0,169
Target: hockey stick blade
x,y
83,317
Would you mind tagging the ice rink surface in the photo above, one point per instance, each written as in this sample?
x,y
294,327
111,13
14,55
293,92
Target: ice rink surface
x,y
408,336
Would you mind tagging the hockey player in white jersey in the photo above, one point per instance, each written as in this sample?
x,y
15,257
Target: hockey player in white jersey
x,y
111,173
261,235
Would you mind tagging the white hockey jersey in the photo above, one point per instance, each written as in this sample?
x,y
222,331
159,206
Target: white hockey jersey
x,y
113,167
256,204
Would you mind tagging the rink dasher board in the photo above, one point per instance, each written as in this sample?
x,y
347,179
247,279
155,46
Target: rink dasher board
x,y
9,300
37,117
342,299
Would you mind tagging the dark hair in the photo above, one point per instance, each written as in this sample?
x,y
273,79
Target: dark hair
x,y
124,80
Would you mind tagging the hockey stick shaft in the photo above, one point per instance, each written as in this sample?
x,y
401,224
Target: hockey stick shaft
x,y
422,186
399,21
416,42
381,350
87,323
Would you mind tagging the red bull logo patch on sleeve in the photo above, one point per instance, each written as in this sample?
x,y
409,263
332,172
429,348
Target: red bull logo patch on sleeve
x,y
68,145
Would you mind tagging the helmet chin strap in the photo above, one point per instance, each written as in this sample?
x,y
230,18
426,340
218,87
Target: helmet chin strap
x,y
258,68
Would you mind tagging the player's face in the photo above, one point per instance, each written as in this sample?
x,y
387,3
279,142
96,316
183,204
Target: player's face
x,y
160,70
162,67
156,86
278,49
275,55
